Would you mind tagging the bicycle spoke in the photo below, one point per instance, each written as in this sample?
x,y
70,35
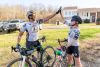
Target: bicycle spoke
x,y
49,56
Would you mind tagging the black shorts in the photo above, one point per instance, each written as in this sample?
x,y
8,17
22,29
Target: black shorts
x,y
33,44
73,50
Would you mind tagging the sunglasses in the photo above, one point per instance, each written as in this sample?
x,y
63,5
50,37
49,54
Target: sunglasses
x,y
31,15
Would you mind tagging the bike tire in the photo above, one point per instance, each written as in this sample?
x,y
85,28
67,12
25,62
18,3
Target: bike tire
x,y
48,54
17,60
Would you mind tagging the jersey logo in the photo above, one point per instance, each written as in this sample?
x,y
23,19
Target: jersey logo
x,y
34,29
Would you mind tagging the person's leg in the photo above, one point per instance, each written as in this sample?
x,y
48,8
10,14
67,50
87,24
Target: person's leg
x,y
38,45
29,45
78,62
39,48
77,56
69,56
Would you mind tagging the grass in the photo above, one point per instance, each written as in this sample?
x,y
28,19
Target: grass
x,y
89,33
52,35
88,24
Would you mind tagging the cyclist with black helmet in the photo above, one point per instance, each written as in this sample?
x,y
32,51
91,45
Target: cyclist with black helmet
x,y
73,44
32,28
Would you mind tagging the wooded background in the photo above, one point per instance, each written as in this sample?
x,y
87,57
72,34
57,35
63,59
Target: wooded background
x,y
8,12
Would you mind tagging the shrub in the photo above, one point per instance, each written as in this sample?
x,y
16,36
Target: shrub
x,y
98,19
87,21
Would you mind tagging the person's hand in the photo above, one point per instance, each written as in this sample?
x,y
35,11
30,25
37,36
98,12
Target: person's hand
x,y
59,10
66,40
17,46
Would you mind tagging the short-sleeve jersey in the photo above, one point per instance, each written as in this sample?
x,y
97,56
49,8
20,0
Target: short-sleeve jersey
x,y
32,29
73,35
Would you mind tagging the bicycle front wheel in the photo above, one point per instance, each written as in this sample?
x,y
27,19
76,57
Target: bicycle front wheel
x,y
48,56
18,62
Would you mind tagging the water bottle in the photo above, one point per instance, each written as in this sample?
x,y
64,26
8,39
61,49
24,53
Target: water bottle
x,y
58,52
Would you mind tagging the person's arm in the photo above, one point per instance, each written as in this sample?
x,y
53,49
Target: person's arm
x,y
19,37
67,23
64,40
22,30
51,16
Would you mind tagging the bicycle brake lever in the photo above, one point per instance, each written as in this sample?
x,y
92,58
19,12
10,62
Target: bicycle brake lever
x,y
59,41
65,39
43,39
12,48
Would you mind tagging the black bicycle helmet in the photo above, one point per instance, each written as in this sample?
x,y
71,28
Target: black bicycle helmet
x,y
77,19
29,13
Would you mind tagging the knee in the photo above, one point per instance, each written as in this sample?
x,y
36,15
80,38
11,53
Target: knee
x,y
70,57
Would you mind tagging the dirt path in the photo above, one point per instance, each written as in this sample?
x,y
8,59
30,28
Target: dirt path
x,y
90,52
90,64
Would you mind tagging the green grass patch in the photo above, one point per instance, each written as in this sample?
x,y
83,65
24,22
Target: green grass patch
x,y
87,24
52,35
89,33
9,39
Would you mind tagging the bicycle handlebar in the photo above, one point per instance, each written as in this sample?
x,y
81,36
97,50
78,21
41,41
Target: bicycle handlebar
x,y
18,49
43,39
59,41
15,49
63,47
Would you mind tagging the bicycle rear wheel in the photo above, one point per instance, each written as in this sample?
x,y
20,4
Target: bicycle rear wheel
x,y
18,62
48,56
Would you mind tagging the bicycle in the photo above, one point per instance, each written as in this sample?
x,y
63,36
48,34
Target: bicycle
x,y
61,53
28,59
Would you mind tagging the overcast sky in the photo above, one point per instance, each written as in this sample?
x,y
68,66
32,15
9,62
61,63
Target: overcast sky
x,y
79,3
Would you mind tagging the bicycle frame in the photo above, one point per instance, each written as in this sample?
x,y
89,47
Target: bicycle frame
x,y
23,62
27,56
64,57
38,63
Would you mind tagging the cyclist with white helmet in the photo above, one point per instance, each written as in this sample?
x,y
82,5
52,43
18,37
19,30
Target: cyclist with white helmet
x,y
73,44
32,28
